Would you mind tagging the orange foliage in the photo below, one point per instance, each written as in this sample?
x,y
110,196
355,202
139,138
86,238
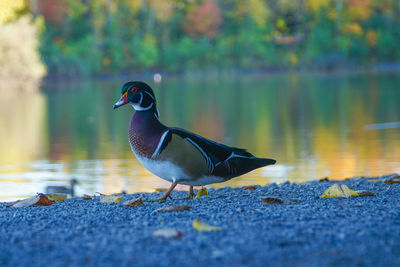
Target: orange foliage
x,y
204,20
372,38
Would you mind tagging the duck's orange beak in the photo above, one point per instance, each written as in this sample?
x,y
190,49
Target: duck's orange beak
x,y
122,101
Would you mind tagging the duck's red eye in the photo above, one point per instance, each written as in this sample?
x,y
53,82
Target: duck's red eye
x,y
134,90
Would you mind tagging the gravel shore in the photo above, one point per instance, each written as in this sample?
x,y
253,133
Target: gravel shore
x,y
308,230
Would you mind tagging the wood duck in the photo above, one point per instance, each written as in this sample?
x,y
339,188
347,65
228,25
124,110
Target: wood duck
x,y
177,155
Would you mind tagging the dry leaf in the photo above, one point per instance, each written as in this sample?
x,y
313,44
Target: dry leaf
x,y
250,187
43,201
392,181
87,197
339,191
174,208
167,233
133,202
375,180
24,202
38,200
56,197
276,200
365,193
271,200
200,226
109,198
202,192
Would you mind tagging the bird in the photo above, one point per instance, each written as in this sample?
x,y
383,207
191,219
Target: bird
x,y
177,155
54,189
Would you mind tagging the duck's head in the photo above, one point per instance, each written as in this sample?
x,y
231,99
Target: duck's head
x,y
139,95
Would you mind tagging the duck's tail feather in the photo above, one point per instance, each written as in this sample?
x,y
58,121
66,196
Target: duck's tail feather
x,y
236,166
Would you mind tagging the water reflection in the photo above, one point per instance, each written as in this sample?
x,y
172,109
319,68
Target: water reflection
x,y
314,125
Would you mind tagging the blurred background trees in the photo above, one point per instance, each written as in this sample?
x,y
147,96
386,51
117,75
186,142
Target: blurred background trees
x,y
19,42
85,37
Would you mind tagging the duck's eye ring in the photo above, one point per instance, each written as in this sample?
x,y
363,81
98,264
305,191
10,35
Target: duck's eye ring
x,y
134,90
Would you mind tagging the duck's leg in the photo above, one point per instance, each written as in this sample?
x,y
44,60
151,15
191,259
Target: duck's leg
x,y
190,196
166,194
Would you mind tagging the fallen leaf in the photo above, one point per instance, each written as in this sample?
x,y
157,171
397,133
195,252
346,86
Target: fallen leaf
x,y
250,187
271,200
375,180
202,192
38,200
167,233
133,202
200,226
109,198
43,201
27,202
158,190
87,197
365,193
56,197
277,200
174,208
339,191
392,181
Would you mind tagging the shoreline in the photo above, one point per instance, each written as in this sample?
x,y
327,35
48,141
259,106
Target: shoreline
x,y
310,230
207,72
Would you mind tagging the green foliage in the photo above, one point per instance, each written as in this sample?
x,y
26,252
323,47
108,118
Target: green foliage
x,y
145,51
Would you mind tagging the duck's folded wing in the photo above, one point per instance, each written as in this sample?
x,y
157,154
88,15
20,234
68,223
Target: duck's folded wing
x,y
214,153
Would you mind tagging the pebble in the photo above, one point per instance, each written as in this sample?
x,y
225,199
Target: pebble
x,y
361,231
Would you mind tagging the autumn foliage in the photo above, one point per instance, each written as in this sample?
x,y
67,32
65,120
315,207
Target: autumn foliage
x,y
203,20
80,37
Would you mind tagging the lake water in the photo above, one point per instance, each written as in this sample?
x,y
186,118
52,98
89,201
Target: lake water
x,y
314,125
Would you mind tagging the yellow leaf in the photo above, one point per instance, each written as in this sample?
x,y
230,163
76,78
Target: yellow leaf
x,y
57,197
200,226
158,190
375,180
339,191
202,192
109,198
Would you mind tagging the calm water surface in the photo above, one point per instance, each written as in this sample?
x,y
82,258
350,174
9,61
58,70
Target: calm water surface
x,y
313,125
